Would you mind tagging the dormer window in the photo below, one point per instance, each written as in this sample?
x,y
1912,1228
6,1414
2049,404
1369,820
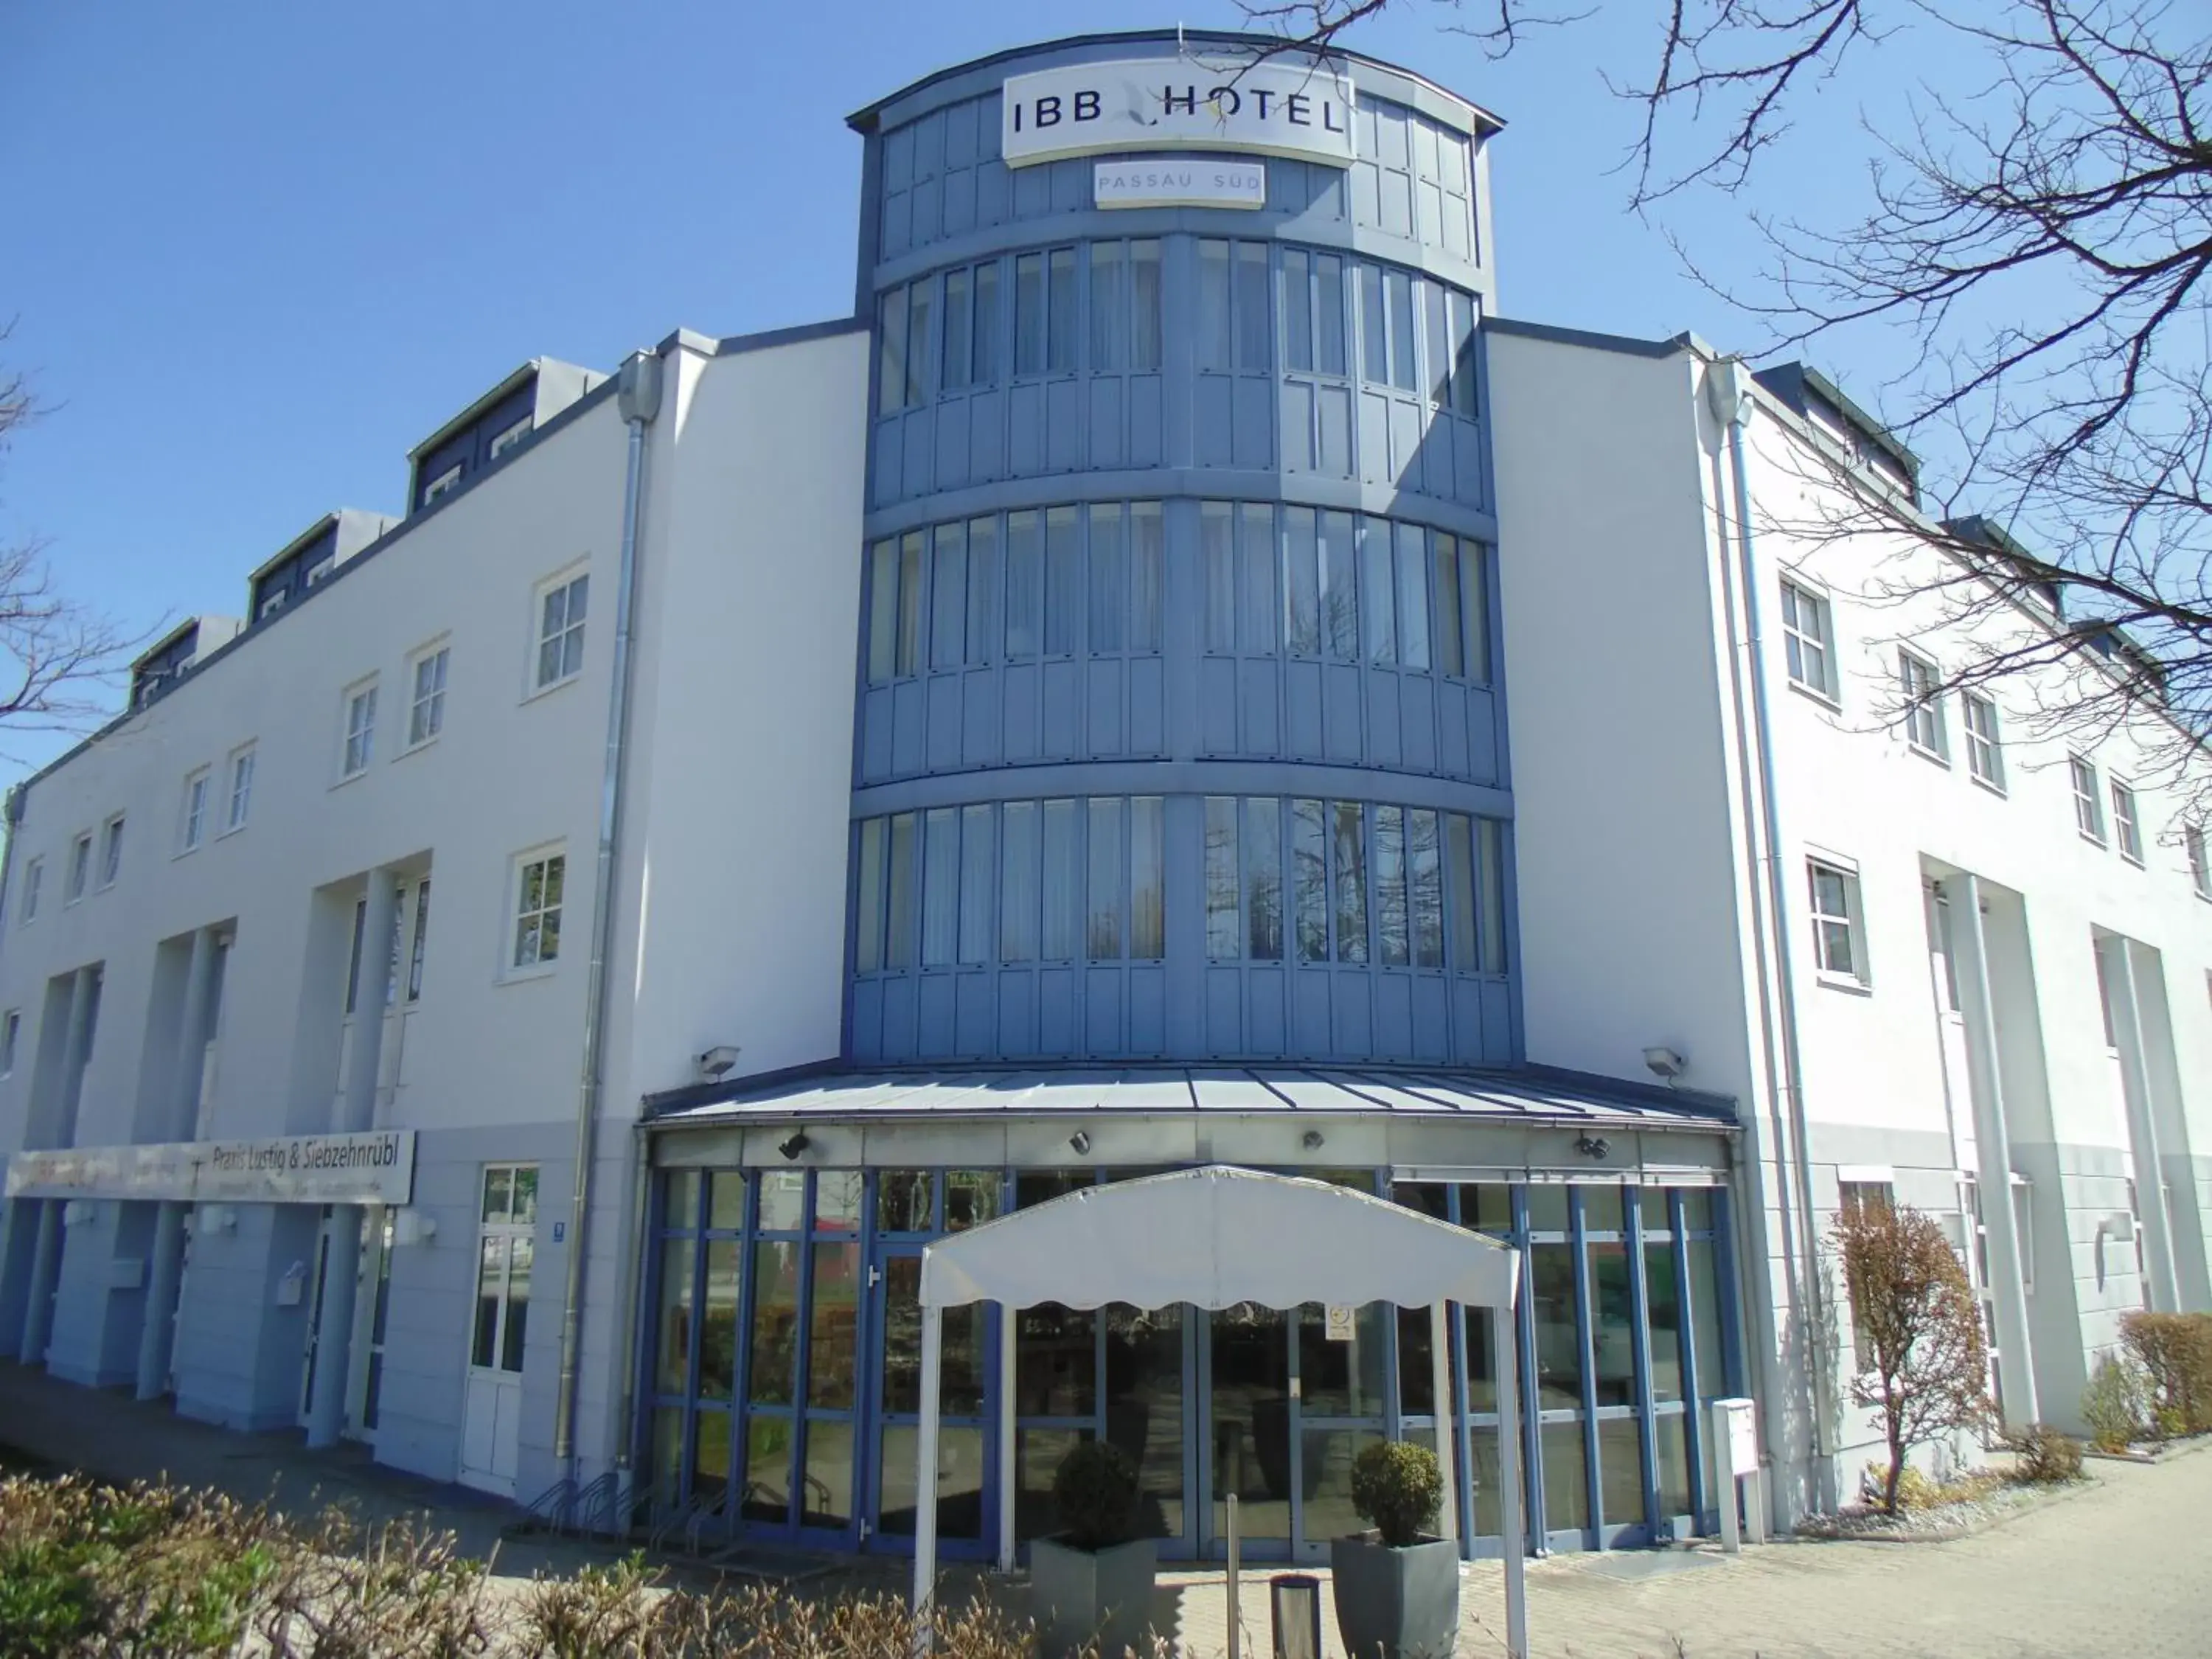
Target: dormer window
x,y
509,437
271,603
320,571
449,479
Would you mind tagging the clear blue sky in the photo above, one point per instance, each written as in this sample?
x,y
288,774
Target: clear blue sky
x,y
257,251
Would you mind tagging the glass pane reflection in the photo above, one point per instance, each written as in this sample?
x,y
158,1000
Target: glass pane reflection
x,y
1559,1345
1620,1471
959,1481
1566,1486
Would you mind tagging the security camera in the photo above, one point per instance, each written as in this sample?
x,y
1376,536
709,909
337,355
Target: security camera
x,y
1666,1063
715,1062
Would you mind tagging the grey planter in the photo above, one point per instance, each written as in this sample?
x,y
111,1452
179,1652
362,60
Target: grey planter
x,y
1397,1604
1077,1595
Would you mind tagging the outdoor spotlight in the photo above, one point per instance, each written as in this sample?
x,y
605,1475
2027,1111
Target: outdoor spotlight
x,y
1667,1063
716,1061
1311,1141
1080,1140
1593,1145
799,1142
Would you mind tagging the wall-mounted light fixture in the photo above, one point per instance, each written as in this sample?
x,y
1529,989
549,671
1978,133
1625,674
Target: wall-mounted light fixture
x,y
1667,1063
800,1141
413,1226
1593,1145
1311,1140
1081,1141
715,1062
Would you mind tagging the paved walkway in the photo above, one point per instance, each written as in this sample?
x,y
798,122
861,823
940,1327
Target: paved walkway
x,y
2119,1568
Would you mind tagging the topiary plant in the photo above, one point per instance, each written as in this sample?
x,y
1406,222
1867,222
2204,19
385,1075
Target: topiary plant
x,y
1097,1494
1396,1485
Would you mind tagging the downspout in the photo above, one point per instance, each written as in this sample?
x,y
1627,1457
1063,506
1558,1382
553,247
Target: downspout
x,y
1729,392
637,394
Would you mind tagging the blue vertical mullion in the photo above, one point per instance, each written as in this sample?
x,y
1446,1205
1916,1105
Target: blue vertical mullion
x,y
741,1403
1639,1337
1525,1357
803,1360
1577,1236
696,1313
1692,1384
1296,1416
647,1333
868,1369
1462,1403
1725,1292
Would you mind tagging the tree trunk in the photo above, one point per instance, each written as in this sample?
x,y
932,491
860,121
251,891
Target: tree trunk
x,y
1896,1471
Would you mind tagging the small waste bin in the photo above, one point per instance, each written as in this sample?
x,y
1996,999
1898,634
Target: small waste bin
x,y
1294,1608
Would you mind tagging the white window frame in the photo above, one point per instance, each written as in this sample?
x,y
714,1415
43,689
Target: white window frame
x,y
356,736
271,603
422,731
237,788
34,878
1924,725
80,868
111,853
2127,820
541,635
2088,803
508,436
11,1030
320,571
2200,872
1851,919
448,480
192,831
513,965
1984,748
1802,645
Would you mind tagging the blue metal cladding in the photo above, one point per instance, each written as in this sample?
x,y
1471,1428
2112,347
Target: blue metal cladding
x,y
1170,508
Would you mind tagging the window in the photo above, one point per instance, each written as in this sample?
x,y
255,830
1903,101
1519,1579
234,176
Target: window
x,y
271,603
11,1026
507,1248
1807,639
1125,307
2023,1228
80,868
509,436
426,717
1836,921
538,910
241,790
34,875
561,630
360,731
1985,751
894,607
1234,326
193,829
421,931
2125,828
2200,874
1857,1197
320,571
1923,710
111,850
449,479
1074,879
2088,810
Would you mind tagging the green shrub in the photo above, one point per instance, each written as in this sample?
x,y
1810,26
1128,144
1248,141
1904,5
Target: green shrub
x,y
2045,1455
1397,1485
1097,1494
2114,1404
2175,1352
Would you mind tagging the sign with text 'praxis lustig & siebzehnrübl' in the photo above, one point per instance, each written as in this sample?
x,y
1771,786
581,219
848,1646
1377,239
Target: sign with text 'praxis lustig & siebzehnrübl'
x,y
1269,108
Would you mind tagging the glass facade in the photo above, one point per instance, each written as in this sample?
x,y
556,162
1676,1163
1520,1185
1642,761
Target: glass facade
x,y
783,1382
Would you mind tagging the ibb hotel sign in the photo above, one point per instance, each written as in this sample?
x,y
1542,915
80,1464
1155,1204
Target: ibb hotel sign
x,y
1266,108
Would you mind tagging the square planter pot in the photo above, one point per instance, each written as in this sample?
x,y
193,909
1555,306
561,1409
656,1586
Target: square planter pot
x,y
1078,1596
1397,1604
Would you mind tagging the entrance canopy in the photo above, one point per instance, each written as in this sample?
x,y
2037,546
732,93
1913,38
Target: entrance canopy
x,y
1216,1236
1213,1238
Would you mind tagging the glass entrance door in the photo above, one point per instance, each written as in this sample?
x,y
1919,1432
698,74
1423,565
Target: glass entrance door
x,y
1289,1398
964,1435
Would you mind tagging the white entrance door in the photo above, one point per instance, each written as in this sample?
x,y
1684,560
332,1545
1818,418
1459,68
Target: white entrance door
x,y
506,1249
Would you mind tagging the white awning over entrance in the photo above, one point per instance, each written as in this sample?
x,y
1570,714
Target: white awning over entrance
x,y
1213,1238
1216,1236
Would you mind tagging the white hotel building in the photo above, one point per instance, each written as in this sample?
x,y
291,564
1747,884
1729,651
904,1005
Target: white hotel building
x,y
1176,677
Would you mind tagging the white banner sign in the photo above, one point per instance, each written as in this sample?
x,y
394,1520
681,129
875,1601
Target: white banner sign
x,y
1274,107
375,1167
1179,184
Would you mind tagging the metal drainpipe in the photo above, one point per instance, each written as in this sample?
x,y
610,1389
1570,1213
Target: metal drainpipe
x,y
638,397
633,1288
1733,405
